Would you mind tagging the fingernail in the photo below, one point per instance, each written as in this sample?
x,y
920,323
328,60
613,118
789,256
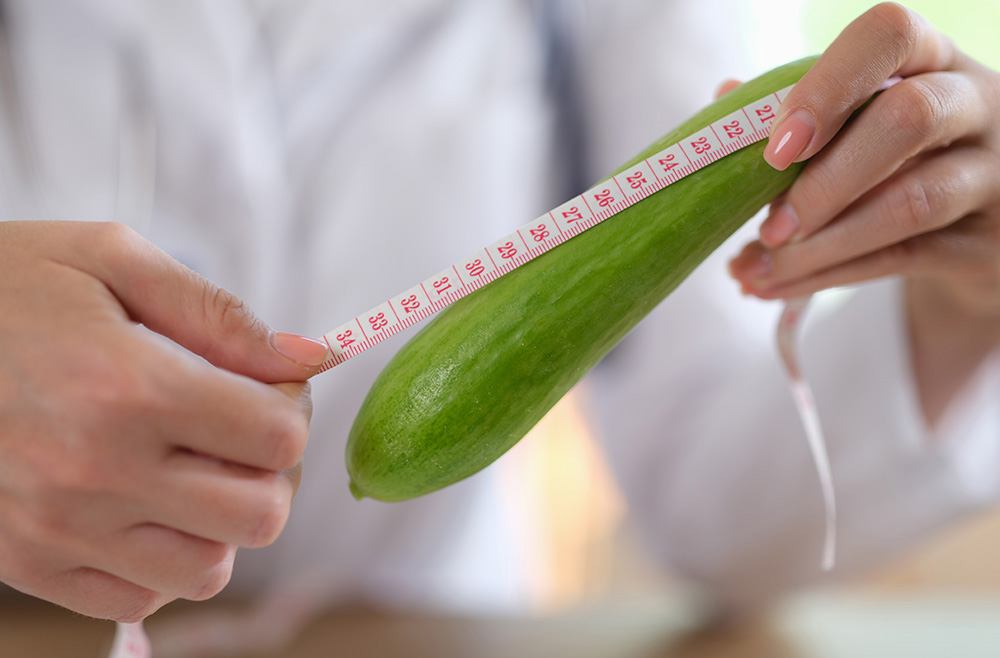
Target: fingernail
x,y
300,349
789,139
754,262
727,86
781,224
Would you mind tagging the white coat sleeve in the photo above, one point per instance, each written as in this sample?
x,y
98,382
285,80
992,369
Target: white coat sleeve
x,y
703,436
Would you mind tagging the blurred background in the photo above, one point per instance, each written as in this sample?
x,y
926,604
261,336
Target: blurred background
x,y
586,552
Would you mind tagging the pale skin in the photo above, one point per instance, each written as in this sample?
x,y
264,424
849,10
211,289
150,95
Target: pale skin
x,y
911,187
130,470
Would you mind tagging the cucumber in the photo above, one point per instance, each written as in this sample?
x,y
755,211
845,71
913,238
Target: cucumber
x,y
483,372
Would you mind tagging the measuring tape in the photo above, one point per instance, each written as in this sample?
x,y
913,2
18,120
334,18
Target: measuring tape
x,y
729,134
130,642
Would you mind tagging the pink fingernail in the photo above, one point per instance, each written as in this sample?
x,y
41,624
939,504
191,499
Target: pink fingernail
x,y
754,262
759,267
780,225
789,140
300,349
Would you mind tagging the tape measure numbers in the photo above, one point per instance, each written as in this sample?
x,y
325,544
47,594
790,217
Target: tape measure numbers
x,y
741,128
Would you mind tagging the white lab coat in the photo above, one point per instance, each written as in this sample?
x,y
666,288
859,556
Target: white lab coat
x,y
317,157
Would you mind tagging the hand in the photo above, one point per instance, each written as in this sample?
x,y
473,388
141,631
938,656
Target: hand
x,y
911,187
130,469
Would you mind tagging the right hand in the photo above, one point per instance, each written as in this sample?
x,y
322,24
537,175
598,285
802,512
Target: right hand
x,y
130,470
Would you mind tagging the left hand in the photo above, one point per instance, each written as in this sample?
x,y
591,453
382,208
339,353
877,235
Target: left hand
x,y
910,187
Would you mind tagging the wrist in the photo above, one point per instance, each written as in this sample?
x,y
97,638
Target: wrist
x,y
952,329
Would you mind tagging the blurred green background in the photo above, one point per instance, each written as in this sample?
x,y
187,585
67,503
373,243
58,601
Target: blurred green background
x,y
973,24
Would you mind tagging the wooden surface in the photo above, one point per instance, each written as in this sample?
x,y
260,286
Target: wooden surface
x,y
819,627
902,611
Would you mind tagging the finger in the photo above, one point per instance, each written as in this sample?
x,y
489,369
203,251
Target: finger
x,y
886,40
302,394
101,595
172,300
219,501
915,116
163,560
959,250
927,197
726,87
294,476
230,417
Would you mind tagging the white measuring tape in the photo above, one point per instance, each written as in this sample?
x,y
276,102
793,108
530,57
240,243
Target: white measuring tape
x,y
131,642
729,134
736,130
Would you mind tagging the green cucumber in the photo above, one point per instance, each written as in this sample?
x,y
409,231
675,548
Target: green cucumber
x,y
479,376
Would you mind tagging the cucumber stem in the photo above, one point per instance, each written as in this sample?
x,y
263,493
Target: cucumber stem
x,y
355,491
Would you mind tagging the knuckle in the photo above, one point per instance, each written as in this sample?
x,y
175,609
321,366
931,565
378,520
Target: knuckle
x,y
213,583
115,241
115,233
229,314
59,481
917,112
18,565
223,303
272,512
909,207
41,524
895,23
306,402
216,573
287,440
120,388
813,195
83,475
139,605
110,380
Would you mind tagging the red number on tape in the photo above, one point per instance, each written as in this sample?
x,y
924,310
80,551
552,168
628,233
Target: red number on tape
x,y
733,129
539,233
604,198
475,268
636,180
507,250
441,285
378,321
345,339
701,145
572,215
410,303
765,113
668,162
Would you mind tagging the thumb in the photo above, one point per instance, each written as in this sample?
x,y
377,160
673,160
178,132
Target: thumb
x,y
174,301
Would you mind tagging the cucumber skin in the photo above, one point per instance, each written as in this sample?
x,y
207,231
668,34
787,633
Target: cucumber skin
x,y
482,373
